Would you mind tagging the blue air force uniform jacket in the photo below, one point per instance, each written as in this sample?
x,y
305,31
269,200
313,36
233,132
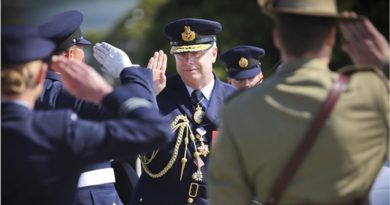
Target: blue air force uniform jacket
x,y
43,152
173,101
54,96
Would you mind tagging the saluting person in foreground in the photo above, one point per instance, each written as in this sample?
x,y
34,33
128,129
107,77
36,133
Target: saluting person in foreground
x,y
43,152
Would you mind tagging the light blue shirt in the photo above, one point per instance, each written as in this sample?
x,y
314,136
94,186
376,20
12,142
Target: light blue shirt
x,y
379,194
18,102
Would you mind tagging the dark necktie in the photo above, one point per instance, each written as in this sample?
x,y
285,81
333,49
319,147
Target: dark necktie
x,y
199,108
198,99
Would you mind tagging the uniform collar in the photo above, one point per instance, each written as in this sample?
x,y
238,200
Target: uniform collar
x,y
16,102
293,66
53,75
206,91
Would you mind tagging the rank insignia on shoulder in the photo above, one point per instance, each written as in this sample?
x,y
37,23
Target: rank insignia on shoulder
x,y
188,35
243,63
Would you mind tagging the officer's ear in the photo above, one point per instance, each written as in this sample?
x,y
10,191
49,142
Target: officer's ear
x,y
41,74
214,53
229,80
331,37
69,53
276,38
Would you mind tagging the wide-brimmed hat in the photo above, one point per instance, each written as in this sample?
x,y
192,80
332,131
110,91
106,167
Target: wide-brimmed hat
x,y
317,8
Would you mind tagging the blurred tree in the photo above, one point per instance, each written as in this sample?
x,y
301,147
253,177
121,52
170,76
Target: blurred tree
x,y
11,11
140,33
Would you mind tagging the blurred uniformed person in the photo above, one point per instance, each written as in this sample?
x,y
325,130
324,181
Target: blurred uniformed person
x,y
64,29
366,45
113,61
243,66
44,152
191,100
262,126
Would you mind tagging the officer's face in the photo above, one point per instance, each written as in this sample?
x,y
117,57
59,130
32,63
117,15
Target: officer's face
x,y
79,53
196,68
75,52
246,82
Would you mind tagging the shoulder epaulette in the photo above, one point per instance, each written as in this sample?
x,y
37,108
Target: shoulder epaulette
x,y
351,69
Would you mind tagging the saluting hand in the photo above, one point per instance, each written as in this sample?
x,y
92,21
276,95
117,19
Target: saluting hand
x,y
113,59
81,80
363,42
158,64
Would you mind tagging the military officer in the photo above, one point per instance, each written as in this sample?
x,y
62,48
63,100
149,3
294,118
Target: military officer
x,y
44,152
360,37
365,44
64,29
113,60
270,120
243,66
191,100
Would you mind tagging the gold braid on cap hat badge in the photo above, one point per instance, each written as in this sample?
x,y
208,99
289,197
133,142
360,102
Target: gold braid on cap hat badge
x,y
188,35
243,62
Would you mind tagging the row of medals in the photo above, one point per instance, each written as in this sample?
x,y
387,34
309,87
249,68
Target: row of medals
x,y
201,150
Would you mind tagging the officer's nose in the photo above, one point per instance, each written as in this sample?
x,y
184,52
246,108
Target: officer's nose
x,y
247,82
187,58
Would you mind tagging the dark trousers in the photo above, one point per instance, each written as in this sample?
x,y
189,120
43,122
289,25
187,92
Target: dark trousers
x,y
103,194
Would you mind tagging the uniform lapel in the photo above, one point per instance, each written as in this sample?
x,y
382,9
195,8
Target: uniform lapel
x,y
216,100
182,99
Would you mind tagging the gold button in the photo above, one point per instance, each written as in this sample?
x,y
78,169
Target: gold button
x,y
196,154
190,200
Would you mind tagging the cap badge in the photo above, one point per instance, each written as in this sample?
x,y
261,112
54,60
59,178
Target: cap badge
x,y
243,63
187,35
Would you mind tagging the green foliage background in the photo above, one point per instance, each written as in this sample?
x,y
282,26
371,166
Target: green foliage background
x,y
140,33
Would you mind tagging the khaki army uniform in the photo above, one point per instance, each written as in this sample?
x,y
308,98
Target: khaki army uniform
x,y
262,126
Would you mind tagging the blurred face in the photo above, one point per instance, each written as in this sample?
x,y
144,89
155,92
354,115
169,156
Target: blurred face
x,y
246,82
196,68
75,52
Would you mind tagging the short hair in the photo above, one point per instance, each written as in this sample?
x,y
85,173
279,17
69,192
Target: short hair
x,y
300,34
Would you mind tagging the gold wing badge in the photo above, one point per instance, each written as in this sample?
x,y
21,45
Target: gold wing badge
x,y
243,63
188,35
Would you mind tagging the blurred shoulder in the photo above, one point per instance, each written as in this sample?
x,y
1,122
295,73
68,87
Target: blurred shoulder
x,y
228,89
234,95
367,76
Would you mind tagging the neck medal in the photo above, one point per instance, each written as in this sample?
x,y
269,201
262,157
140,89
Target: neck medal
x,y
199,114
